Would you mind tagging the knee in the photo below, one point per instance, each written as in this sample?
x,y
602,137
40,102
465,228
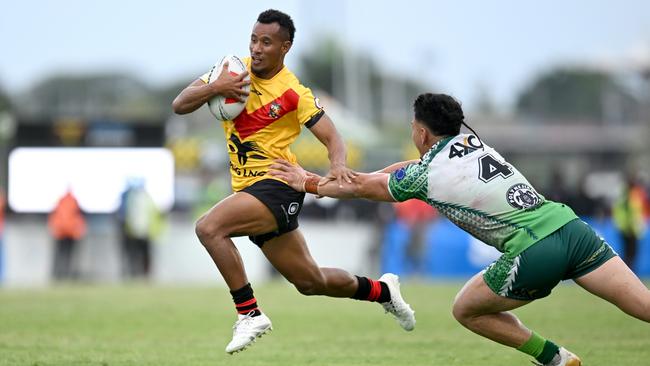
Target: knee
x,y
635,304
645,310
461,312
309,286
206,228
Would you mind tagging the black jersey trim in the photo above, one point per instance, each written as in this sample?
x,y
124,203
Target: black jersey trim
x,y
315,118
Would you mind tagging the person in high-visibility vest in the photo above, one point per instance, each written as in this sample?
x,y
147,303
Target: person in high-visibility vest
x,y
629,218
67,226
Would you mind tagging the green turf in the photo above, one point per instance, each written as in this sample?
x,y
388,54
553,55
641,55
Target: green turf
x,y
141,325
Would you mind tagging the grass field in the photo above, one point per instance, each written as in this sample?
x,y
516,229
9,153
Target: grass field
x,y
142,325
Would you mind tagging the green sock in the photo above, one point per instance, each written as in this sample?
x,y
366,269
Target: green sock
x,y
543,350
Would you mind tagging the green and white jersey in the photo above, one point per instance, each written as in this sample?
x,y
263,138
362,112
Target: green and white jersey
x,y
472,185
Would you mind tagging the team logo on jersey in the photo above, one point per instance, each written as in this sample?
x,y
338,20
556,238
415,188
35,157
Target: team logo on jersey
x,y
468,146
400,174
274,109
317,103
522,196
245,150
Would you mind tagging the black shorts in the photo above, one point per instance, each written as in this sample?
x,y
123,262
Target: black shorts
x,y
283,201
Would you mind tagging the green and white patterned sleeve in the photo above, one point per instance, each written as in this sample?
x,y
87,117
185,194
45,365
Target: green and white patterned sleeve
x,y
409,182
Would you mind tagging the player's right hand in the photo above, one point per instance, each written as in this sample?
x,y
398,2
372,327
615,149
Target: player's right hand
x,y
229,85
293,174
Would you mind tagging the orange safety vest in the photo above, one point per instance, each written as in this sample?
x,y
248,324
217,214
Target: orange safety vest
x,y
67,221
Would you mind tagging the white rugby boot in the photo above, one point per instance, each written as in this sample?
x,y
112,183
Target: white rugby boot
x,y
564,358
397,306
246,330
568,359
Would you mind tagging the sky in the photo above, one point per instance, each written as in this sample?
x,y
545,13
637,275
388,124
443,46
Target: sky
x,y
457,47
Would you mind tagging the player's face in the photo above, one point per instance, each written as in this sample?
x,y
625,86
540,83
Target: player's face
x,y
268,46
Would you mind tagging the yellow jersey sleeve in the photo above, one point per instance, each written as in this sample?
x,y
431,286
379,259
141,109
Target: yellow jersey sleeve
x,y
309,109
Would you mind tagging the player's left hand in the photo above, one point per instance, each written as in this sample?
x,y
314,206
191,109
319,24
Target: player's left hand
x,y
340,173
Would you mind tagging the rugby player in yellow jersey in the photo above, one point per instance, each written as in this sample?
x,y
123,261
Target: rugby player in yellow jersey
x,y
264,207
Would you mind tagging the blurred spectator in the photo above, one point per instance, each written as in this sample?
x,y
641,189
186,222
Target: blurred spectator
x,y
67,226
120,215
557,191
142,223
640,192
213,189
629,218
586,206
417,215
382,214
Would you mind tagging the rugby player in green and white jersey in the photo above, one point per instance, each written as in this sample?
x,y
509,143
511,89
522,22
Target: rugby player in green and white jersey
x,y
542,242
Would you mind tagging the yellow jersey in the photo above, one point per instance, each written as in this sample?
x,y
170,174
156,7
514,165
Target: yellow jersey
x,y
275,112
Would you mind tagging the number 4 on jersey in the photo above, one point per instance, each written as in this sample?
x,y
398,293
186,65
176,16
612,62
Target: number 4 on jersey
x,y
489,167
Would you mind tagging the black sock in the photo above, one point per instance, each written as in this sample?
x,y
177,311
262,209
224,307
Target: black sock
x,y
548,352
371,290
245,302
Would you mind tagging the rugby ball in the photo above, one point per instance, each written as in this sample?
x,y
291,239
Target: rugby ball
x,y
226,109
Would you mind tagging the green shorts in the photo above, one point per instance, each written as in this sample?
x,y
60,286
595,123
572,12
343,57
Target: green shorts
x,y
570,252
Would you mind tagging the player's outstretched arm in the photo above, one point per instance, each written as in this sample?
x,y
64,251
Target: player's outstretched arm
x,y
393,167
327,134
198,92
372,186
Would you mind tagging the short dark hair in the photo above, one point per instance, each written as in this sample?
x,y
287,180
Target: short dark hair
x,y
441,113
284,21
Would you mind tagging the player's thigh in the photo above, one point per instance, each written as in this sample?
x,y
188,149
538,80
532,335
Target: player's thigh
x,y
615,282
289,254
237,215
476,298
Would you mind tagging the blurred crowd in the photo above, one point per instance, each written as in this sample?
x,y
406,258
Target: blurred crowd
x,y
140,222
137,219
